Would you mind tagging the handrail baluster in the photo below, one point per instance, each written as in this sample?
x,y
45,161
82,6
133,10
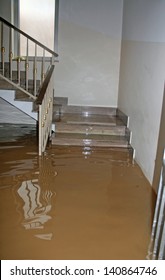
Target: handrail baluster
x,y
2,49
10,53
19,70
43,67
19,62
27,63
35,70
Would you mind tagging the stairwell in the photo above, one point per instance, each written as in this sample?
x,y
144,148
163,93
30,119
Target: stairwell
x,y
32,82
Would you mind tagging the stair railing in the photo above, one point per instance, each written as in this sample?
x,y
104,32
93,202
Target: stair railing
x,y
45,102
13,58
18,69
156,249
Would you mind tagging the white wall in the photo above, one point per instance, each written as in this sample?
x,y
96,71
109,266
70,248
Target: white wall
x,y
89,51
142,76
5,9
38,23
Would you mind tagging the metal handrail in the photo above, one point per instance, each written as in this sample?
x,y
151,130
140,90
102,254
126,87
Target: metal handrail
x,y
15,62
28,37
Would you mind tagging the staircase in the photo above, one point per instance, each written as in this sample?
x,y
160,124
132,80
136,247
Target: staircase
x,y
29,72
90,127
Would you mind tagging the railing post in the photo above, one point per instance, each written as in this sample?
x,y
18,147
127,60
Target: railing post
x,y
35,70
19,69
43,67
2,50
10,53
41,125
27,63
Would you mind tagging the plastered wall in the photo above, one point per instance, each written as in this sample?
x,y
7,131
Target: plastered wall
x,y
5,9
142,75
89,51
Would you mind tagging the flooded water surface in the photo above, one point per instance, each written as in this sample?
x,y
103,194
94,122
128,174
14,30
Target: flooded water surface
x,y
71,203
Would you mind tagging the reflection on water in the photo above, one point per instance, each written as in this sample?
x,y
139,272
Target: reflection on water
x,y
36,205
72,203
13,132
86,151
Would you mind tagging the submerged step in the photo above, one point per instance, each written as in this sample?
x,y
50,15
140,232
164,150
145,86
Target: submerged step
x,y
74,139
87,129
111,154
86,119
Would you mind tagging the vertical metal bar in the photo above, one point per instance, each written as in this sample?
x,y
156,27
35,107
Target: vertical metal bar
x,y
27,63
156,248
35,71
19,43
161,255
41,124
19,69
0,36
19,60
2,50
157,207
1,39
43,67
10,53
159,227
51,103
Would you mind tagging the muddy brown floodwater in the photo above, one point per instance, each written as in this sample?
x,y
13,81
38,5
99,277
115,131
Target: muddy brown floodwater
x,y
73,203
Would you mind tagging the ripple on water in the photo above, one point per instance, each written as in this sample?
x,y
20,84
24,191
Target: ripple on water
x,y
72,203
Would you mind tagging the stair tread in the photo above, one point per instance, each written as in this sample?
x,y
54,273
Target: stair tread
x,y
93,143
90,129
111,154
91,140
72,109
21,96
89,136
106,120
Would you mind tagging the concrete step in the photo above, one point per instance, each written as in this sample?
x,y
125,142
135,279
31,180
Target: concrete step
x,y
88,119
93,140
7,86
90,126
89,129
86,110
111,154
